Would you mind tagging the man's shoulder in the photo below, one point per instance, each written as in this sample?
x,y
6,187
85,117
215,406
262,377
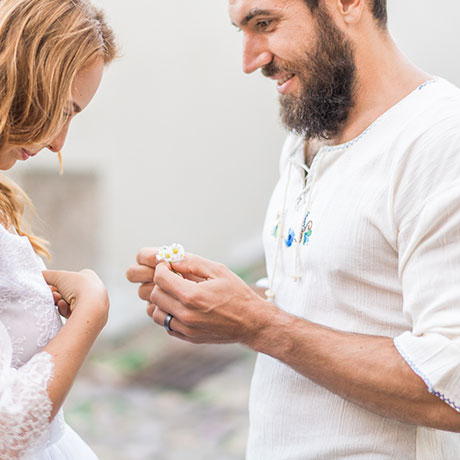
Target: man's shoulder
x,y
430,116
440,102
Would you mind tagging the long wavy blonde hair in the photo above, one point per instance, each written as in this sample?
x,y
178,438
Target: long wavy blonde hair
x,y
43,45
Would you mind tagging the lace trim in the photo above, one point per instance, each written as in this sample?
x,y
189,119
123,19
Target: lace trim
x,y
23,291
25,407
425,378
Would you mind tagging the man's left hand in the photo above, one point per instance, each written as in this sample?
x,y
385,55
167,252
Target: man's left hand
x,y
221,308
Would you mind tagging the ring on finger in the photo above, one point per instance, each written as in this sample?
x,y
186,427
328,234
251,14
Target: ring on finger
x,y
167,322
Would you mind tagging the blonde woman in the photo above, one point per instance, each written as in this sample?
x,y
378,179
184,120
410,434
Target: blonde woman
x,y
52,56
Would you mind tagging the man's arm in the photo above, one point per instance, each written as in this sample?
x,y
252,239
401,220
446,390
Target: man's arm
x,y
259,291
366,370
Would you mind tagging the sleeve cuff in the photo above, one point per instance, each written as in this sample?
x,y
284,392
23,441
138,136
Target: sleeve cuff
x,y
263,283
436,360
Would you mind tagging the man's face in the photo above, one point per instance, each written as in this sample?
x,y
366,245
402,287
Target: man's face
x,y
308,56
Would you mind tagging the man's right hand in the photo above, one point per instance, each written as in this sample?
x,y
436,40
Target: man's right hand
x,y
144,271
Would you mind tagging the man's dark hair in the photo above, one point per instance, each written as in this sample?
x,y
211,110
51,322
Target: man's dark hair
x,y
378,7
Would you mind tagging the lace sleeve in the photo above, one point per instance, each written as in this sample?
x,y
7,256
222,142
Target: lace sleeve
x,y
25,406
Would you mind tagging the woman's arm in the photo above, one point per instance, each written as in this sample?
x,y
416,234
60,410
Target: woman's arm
x,y
89,304
31,395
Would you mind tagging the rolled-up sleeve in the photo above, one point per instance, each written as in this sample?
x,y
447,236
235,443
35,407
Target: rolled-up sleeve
x,y
429,268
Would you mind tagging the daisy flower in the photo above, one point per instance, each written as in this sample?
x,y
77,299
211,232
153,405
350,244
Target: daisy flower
x,y
172,253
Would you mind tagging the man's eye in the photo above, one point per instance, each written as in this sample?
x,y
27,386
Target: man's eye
x,y
264,25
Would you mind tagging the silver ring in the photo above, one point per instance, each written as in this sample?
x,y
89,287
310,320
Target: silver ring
x,y
167,322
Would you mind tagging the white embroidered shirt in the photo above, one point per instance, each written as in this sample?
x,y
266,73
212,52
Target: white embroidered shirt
x,y
367,242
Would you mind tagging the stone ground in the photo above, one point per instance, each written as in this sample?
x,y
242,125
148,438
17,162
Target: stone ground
x,y
150,397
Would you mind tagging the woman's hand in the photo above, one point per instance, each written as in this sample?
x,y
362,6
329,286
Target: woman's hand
x,y
63,306
82,297
79,291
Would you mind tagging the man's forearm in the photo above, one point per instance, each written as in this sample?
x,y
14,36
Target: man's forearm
x,y
259,290
366,370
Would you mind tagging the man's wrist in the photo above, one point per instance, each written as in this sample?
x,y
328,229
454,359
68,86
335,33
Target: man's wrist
x,y
270,333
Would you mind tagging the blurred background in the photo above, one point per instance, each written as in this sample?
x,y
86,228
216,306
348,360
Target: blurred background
x,y
178,146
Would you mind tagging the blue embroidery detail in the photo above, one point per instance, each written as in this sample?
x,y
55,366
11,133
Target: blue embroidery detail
x,y
306,230
333,148
290,238
429,82
445,399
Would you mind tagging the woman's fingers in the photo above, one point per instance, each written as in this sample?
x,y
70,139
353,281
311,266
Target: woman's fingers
x,y
64,308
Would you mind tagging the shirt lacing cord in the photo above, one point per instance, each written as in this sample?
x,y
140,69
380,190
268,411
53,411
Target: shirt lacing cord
x,y
301,198
305,170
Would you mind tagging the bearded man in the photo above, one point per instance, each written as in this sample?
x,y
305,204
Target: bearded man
x,y
358,332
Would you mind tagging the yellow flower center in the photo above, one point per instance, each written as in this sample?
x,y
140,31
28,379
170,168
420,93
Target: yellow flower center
x,y
175,250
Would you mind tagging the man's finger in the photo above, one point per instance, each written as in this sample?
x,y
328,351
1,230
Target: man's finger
x,y
169,304
178,329
140,274
197,266
174,285
145,291
150,310
147,256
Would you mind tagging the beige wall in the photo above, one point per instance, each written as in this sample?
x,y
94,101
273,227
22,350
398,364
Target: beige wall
x,y
184,144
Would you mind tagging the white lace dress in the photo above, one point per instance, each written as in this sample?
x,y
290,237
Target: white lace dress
x,y
28,321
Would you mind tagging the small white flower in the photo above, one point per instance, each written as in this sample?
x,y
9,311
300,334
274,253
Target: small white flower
x,y
162,253
177,252
173,253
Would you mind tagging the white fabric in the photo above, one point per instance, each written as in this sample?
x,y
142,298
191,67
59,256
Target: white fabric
x,y
383,258
28,321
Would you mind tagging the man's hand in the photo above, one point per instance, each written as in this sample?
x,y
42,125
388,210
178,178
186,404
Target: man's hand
x,y
144,271
209,303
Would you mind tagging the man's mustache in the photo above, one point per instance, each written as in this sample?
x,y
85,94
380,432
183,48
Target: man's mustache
x,y
272,69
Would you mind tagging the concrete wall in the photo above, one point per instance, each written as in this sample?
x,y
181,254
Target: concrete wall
x,y
186,146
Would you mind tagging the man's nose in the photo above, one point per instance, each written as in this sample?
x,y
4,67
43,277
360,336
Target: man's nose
x,y
255,54
57,143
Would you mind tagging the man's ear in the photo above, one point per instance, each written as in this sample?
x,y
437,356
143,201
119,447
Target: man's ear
x,y
351,10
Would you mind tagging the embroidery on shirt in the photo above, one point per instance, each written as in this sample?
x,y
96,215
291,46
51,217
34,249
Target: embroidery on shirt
x,y
424,377
276,230
290,239
307,230
304,234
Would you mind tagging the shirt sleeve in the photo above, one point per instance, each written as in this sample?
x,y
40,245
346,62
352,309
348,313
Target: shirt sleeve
x,y
25,407
429,265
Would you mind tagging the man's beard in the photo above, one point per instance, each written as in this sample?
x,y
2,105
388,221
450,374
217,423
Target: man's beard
x,y
327,77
